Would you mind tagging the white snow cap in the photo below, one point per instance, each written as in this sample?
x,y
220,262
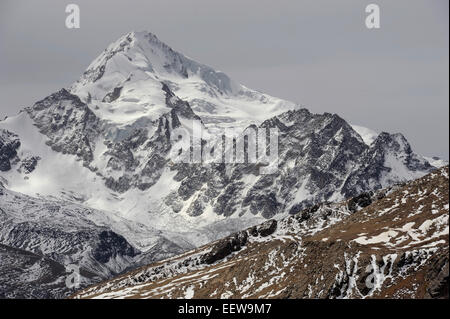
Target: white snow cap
x,y
133,68
141,55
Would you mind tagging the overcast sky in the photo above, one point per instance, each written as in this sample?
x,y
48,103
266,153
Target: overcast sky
x,y
315,52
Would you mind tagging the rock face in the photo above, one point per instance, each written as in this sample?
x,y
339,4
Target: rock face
x,y
112,245
225,247
112,96
9,143
228,245
360,201
394,247
69,124
438,279
265,229
9,157
29,164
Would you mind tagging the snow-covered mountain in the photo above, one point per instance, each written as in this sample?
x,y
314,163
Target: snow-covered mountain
x,y
123,84
104,144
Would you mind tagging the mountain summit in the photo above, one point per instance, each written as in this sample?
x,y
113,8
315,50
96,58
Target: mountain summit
x,y
124,83
141,55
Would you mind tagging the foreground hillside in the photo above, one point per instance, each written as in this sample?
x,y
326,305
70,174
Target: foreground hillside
x,y
389,244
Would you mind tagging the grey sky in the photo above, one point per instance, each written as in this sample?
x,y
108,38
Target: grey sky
x,y
314,52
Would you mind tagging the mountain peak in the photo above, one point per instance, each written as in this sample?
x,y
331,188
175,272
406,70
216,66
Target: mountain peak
x,y
124,83
138,56
143,39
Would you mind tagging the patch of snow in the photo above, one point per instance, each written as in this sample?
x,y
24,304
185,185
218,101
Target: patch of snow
x,y
366,134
